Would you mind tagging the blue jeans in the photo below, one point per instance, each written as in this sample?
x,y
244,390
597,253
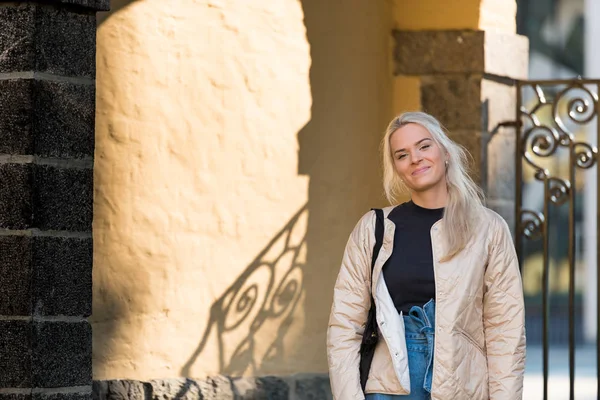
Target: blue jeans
x,y
419,327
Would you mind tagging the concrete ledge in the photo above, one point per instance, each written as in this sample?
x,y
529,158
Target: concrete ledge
x,y
295,387
61,396
11,396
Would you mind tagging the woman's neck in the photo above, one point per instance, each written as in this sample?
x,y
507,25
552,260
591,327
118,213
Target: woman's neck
x,y
436,197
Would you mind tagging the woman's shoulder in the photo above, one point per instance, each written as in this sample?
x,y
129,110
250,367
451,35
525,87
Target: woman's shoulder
x,y
366,223
495,225
491,217
369,216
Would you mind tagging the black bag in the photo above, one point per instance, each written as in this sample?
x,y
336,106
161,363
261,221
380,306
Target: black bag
x,y
371,333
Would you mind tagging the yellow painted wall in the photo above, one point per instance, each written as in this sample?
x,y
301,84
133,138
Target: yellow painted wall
x,y
436,14
236,147
455,14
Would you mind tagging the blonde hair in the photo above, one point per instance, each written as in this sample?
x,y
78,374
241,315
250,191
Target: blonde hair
x,y
465,198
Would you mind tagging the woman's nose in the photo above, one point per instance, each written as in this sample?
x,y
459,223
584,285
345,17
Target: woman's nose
x,y
416,158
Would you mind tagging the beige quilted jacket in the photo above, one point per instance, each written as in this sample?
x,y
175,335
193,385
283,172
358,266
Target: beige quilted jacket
x,y
480,318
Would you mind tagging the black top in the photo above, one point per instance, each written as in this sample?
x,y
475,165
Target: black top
x,y
408,272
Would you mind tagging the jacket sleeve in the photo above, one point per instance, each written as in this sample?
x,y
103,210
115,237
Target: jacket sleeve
x,y
504,318
351,302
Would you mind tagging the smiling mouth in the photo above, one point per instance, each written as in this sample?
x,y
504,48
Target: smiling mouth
x,y
420,171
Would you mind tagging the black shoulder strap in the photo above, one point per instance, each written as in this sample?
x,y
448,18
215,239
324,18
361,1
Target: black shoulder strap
x,y
378,237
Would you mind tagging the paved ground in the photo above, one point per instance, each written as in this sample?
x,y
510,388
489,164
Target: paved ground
x,y
558,387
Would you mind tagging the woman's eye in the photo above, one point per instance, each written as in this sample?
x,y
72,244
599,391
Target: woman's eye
x,y
401,156
425,147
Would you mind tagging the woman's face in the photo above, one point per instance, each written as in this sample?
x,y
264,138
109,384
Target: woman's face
x,y
419,161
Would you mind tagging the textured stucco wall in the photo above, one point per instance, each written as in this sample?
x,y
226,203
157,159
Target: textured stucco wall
x,y
236,146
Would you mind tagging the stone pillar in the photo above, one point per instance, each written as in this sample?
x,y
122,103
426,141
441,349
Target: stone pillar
x,y
47,75
466,79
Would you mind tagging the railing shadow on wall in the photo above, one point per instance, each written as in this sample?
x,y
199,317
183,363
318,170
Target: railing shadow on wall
x,y
264,297
266,293
338,150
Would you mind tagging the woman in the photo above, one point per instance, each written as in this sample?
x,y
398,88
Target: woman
x,y
446,283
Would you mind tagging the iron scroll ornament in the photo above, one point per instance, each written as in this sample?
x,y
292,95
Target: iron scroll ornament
x,y
543,141
549,129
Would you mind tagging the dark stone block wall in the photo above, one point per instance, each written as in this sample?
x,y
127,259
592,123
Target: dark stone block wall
x,y
47,107
295,387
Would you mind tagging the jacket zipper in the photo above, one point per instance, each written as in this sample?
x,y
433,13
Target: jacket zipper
x,y
374,299
435,335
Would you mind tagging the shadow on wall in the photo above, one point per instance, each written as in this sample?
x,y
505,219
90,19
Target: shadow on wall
x,y
260,303
350,85
115,6
112,206
256,304
350,81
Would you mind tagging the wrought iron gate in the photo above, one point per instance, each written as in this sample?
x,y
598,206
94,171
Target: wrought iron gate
x,y
557,137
